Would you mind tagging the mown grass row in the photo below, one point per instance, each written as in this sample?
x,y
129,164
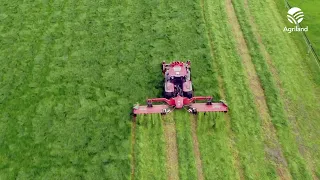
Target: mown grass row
x,y
150,148
187,168
299,82
245,121
215,150
297,164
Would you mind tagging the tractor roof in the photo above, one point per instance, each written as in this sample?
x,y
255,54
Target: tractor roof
x,y
177,69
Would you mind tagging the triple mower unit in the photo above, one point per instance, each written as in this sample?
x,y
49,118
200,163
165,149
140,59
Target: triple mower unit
x,y
178,93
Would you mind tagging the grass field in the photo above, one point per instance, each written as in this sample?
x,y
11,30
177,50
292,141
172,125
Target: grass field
x,y
71,71
311,19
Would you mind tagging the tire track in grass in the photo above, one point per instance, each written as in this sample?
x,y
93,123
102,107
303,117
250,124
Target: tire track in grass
x,y
236,160
276,76
286,174
296,164
171,147
272,147
196,149
244,118
287,102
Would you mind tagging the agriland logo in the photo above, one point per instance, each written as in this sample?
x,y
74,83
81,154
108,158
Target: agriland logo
x,y
295,16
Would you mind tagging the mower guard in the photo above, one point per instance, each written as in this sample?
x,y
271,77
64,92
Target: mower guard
x,y
214,107
161,109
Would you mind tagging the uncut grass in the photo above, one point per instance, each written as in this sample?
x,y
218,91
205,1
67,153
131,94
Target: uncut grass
x,y
300,84
245,121
213,140
187,166
297,164
67,86
58,119
150,148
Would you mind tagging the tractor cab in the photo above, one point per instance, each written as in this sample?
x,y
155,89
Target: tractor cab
x,y
177,72
177,69
177,79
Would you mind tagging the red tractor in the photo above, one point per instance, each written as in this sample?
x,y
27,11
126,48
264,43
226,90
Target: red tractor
x,y
178,93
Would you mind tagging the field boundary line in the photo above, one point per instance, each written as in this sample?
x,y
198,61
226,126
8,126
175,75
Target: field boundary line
x,y
236,161
272,147
172,160
133,141
196,149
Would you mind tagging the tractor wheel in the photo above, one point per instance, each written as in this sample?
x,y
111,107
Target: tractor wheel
x,y
168,95
188,94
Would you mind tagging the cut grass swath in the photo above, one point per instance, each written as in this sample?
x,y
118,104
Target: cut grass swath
x,y
187,166
272,147
150,148
215,150
274,101
244,118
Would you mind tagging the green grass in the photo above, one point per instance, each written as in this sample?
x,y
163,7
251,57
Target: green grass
x,y
245,122
187,169
298,81
297,37
71,70
60,117
311,19
150,148
296,163
66,113
75,68
215,150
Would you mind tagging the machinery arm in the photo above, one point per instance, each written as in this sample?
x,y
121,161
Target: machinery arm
x,y
158,100
151,109
162,109
170,102
201,98
209,106
187,101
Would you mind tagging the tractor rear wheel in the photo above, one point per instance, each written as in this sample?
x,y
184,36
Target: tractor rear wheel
x,y
188,94
168,95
